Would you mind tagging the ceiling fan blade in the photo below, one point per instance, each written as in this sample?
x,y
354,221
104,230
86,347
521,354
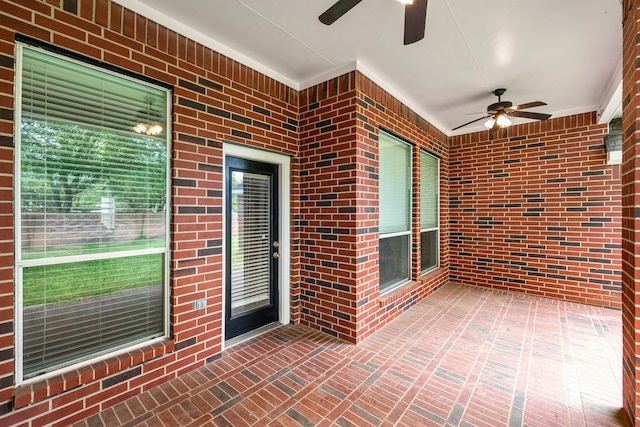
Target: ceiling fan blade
x,y
528,105
494,128
338,9
472,121
415,19
529,115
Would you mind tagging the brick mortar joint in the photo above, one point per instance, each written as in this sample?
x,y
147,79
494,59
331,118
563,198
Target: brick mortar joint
x,y
409,287
29,394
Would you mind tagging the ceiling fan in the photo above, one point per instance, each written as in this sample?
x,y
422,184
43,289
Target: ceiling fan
x,y
415,16
498,112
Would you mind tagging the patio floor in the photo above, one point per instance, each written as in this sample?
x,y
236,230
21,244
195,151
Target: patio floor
x,y
463,357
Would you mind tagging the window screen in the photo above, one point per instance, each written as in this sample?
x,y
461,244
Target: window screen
x,y
92,222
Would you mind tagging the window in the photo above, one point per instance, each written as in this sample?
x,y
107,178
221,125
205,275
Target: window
x,y
91,212
429,180
395,211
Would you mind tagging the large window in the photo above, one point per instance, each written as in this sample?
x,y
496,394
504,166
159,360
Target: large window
x,y
395,211
91,212
429,179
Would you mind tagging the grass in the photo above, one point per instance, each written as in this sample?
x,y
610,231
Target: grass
x,y
67,282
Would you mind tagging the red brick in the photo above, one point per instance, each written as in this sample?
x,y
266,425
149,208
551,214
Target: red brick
x,y
144,47
102,13
499,225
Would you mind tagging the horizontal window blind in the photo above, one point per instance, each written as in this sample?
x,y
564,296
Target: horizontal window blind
x,y
428,191
79,309
395,184
74,180
93,211
250,284
395,210
59,90
429,199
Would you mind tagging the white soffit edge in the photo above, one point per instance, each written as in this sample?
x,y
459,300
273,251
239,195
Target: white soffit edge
x,y
197,36
186,31
611,104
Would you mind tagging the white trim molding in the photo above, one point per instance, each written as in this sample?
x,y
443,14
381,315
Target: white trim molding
x,y
284,191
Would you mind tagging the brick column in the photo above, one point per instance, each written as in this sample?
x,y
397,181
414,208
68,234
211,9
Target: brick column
x,y
329,207
631,210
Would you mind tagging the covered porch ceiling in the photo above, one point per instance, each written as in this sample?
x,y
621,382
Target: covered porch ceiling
x,y
565,53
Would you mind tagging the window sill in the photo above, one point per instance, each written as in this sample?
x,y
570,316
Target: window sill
x,y
424,273
399,291
38,390
396,292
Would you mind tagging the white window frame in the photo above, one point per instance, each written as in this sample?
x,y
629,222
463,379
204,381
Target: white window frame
x,y
408,232
20,264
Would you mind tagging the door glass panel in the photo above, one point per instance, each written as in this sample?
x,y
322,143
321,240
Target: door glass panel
x,y
250,242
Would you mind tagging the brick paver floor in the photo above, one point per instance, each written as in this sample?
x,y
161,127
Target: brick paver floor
x,y
463,357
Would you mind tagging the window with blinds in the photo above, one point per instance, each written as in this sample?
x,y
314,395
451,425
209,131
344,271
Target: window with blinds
x,y
429,184
250,242
91,189
395,210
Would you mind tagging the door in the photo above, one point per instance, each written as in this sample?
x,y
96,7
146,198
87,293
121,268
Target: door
x,y
251,297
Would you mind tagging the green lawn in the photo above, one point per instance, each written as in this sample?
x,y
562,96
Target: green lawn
x,y
74,281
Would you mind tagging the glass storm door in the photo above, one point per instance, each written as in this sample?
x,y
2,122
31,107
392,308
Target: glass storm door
x,y
251,245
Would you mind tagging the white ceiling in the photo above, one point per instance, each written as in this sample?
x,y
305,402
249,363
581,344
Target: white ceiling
x,y
566,53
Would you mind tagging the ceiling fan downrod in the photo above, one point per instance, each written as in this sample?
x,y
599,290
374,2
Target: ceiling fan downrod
x,y
499,92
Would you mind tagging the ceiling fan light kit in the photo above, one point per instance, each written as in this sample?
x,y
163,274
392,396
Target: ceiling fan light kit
x,y
501,120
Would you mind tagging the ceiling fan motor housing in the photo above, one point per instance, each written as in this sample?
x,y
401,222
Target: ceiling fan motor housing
x,y
499,107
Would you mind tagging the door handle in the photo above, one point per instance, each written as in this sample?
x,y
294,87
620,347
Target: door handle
x,y
276,255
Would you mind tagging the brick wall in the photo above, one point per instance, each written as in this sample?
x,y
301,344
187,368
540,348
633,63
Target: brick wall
x,y
329,207
215,99
630,203
331,132
339,125
536,209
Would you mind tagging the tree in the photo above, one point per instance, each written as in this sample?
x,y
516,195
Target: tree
x,y
66,166
136,172
59,162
